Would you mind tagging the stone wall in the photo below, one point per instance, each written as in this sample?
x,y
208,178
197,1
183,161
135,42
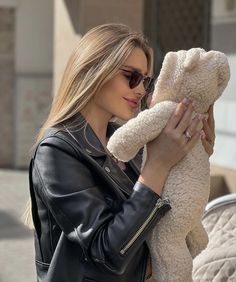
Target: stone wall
x,y
33,103
7,46
33,74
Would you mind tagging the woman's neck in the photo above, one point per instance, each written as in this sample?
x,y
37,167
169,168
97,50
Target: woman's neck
x,y
98,123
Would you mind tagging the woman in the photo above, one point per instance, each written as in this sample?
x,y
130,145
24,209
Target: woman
x,y
92,213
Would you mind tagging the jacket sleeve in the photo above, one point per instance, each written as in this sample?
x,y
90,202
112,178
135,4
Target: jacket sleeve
x,y
70,191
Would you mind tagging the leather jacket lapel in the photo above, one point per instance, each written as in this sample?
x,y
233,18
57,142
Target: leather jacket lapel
x,y
86,138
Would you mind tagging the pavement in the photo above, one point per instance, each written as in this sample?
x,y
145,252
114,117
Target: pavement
x,y
16,240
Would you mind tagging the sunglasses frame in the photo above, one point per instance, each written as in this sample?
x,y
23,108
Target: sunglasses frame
x,y
148,81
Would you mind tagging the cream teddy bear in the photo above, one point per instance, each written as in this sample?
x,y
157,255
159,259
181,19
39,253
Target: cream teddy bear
x,y
179,236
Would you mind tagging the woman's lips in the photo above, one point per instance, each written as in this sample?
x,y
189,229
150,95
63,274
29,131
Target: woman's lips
x,y
133,103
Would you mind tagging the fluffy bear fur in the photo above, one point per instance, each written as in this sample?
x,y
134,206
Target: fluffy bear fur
x,y
179,236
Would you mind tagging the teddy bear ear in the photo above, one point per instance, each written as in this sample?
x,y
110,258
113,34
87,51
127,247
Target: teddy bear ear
x,y
192,58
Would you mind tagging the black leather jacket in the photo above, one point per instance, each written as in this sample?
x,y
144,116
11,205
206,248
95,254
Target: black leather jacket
x,y
91,220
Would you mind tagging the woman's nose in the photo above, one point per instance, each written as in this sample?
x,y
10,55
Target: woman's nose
x,y
140,90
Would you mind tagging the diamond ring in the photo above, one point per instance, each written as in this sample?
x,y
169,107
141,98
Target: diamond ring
x,y
187,135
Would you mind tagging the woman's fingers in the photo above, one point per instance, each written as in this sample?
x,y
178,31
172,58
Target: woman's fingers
x,y
181,123
209,147
209,131
196,124
211,121
177,114
210,125
208,134
192,141
185,120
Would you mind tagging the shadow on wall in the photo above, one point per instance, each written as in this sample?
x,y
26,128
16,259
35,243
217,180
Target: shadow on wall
x,y
73,8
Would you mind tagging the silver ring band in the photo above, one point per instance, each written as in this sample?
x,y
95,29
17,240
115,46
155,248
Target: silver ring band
x,y
187,135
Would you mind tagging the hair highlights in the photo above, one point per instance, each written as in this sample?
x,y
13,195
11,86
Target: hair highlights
x,y
99,55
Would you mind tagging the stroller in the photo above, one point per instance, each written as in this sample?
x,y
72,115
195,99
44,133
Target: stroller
x,y
217,263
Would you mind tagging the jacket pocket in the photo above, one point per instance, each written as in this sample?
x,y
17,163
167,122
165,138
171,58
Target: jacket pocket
x,y
90,280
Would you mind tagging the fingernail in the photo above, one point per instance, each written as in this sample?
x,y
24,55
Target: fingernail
x,y
185,101
200,117
202,134
194,103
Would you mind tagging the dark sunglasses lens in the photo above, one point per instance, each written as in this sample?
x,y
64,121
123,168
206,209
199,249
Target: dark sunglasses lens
x,y
148,84
135,79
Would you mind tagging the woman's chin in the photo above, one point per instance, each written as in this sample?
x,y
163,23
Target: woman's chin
x,y
127,117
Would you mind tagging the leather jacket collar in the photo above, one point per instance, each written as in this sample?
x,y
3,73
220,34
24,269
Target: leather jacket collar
x,y
86,138
81,131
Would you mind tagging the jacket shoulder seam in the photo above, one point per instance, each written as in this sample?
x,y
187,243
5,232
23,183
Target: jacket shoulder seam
x,y
64,139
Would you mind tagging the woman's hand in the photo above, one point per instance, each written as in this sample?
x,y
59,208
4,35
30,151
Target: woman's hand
x,y
176,140
208,132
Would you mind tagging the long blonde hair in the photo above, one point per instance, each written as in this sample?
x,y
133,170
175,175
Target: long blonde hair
x,y
99,55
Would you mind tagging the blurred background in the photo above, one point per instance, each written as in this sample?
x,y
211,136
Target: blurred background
x,y
36,39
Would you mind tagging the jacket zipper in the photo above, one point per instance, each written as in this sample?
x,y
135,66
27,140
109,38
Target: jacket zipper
x,y
159,203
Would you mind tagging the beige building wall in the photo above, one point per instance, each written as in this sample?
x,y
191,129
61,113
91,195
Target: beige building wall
x,y
34,61
29,50
44,36
65,36
25,77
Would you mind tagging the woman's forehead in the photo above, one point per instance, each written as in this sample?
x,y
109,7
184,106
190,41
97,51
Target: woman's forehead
x,y
137,60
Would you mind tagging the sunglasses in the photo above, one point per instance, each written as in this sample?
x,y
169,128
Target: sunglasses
x,y
135,77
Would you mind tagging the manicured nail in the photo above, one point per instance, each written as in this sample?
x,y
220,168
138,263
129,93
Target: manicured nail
x,y
185,101
202,134
206,117
194,103
200,117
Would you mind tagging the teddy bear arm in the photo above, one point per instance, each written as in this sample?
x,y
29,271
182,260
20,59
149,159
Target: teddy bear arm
x,y
197,240
125,143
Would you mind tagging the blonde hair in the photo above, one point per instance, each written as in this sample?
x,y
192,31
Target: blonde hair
x,y
99,55
97,59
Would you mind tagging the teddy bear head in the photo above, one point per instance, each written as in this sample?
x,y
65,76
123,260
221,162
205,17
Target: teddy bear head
x,y
195,74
